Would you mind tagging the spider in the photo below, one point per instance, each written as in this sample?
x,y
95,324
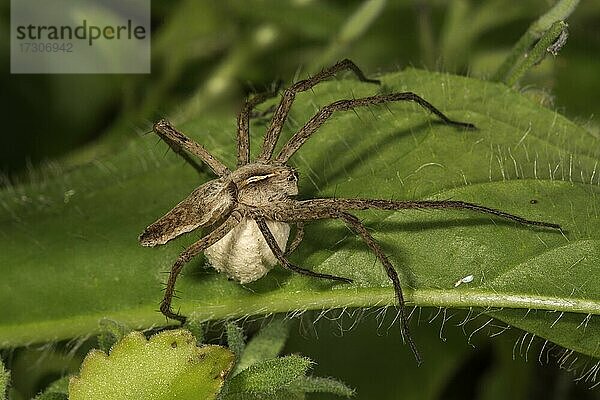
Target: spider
x,y
249,210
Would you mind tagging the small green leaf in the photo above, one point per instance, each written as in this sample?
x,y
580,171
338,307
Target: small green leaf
x,y
167,366
57,390
266,377
312,384
235,338
265,345
197,328
112,332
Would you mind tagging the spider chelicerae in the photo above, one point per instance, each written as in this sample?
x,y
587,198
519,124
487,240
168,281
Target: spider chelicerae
x,y
249,210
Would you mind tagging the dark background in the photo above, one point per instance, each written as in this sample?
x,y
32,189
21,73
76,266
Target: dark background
x,y
251,44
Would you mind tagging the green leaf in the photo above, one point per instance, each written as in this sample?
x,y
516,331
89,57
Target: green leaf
x,y
267,377
112,332
167,366
69,254
312,384
265,345
197,329
57,390
235,338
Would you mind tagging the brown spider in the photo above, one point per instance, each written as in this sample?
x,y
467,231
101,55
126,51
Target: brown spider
x,y
249,209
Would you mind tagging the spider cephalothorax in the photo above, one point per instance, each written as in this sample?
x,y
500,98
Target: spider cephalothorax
x,y
241,253
249,210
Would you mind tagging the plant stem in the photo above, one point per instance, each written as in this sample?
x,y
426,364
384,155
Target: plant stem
x,y
456,34
142,317
561,10
222,79
354,28
427,43
538,52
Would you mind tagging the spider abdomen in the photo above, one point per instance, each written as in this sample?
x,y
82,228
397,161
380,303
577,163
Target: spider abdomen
x,y
243,254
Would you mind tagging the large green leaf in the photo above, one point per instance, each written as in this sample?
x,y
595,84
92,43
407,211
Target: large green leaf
x,y
69,253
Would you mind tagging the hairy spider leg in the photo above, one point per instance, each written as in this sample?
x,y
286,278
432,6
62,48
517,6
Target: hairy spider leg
x,y
281,113
179,142
355,224
177,149
299,235
359,228
320,205
298,139
315,209
243,123
270,239
195,249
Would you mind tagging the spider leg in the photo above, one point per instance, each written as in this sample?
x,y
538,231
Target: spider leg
x,y
183,154
281,113
243,124
298,139
359,228
306,211
297,238
179,143
324,207
195,249
314,209
266,232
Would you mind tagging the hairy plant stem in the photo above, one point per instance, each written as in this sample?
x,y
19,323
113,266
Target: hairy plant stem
x,y
148,316
561,10
537,54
